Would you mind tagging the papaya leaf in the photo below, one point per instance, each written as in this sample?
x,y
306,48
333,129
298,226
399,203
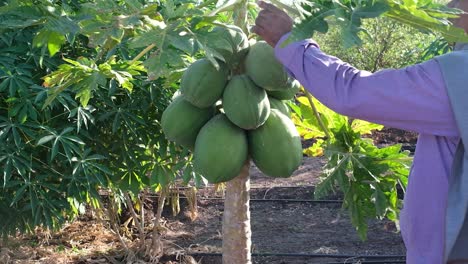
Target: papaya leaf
x,y
426,16
364,127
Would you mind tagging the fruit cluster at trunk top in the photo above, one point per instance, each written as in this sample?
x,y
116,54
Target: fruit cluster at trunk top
x,y
226,116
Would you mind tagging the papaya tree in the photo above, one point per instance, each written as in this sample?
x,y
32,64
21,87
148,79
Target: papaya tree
x,y
341,136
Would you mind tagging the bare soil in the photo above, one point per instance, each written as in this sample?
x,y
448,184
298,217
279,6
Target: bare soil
x,y
278,227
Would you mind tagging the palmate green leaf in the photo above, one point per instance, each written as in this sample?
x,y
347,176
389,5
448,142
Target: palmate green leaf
x,y
379,167
38,204
12,130
52,39
131,121
350,36
85,77
334,172
124,120
45,139
45,204
184,43
307,28
87,85
167,56
424,15
173,40
210,42
161,176
351,20
15,81
19,194
305,121
13,161
23,109
7,60
159,64
129,181
83,116
154,36
380,200
437,47
330,118
421,20
307,130
107,24
316,150
13,220
367,175
69,144
187,175
185,11
88,164
357,209
16,16
122,72
369,9
363,127
55,25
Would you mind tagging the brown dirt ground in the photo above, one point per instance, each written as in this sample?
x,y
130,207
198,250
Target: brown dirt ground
x,y
277,227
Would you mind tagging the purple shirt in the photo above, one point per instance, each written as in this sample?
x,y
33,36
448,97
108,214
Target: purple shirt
x,y
412,98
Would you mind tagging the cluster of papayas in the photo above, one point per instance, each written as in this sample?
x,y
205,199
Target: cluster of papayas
x,y
236,110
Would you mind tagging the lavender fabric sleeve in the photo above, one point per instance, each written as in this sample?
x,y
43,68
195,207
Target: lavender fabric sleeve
x,y
412,98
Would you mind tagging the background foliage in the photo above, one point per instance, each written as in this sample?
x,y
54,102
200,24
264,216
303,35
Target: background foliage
x,y
388,44
76,114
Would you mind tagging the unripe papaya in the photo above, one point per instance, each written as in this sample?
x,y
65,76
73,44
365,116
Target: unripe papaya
x,y
245,104
276,146
279,105
264,69
288,93
203,84
220,150
181,121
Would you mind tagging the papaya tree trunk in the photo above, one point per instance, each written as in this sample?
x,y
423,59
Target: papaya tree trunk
x,y
236,220
237,235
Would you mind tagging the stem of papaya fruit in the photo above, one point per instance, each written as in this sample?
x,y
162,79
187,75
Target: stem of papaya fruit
x,y
317,114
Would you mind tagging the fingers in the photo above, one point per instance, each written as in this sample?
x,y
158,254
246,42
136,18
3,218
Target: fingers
x,y
262,21
262,18
261,24
271,23
258,30
263,33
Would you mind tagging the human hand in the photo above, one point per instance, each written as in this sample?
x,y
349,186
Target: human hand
x,y
272,23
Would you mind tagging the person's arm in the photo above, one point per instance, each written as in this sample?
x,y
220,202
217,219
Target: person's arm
x,y
412,98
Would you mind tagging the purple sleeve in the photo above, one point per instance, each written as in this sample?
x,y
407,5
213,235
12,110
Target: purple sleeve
x,y
413,98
